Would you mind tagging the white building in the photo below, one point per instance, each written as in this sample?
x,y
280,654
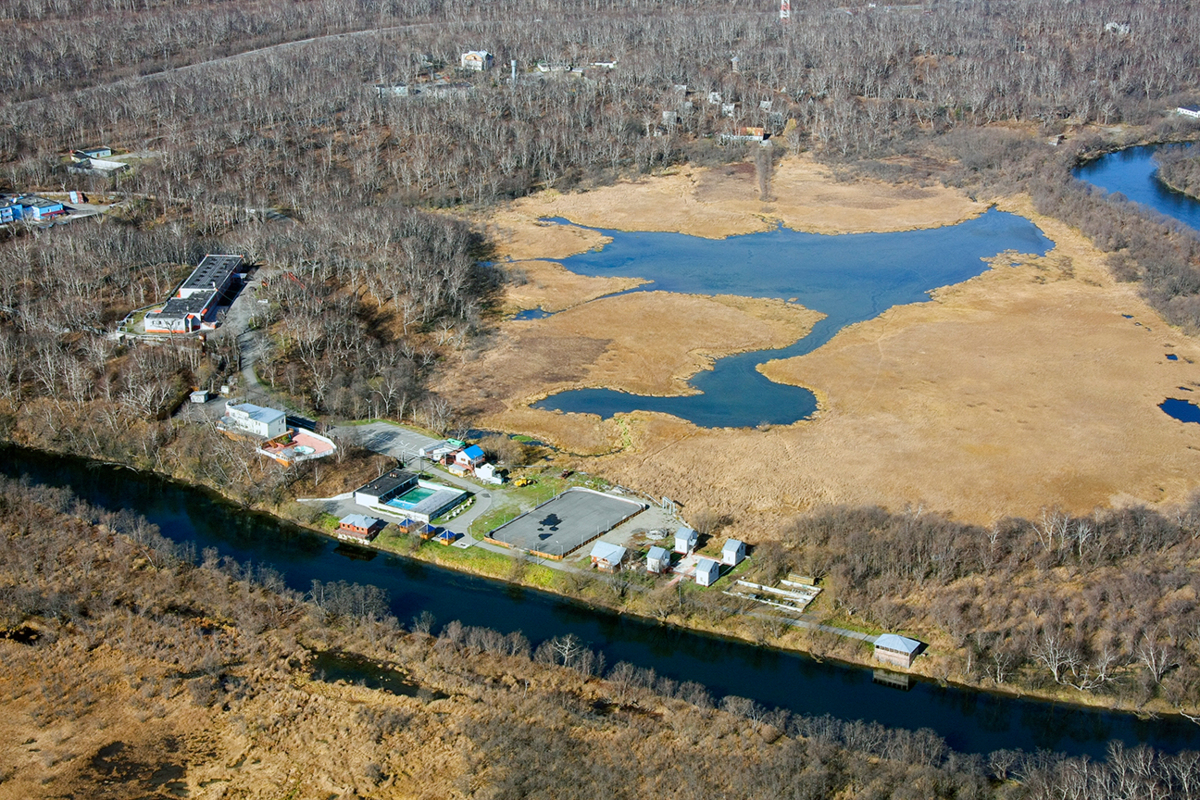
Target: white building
x,y
707,572
478,60
658,560
733,552
1187,111
686,540
265,422
487,474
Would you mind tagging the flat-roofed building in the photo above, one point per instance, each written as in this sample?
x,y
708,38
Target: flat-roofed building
x,y
182,314
214,273
249,418
385,487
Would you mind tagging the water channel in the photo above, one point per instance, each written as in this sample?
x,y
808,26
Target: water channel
x,y
1132,173
850,278
970,721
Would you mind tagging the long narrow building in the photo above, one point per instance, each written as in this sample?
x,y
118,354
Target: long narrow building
x,y
195,302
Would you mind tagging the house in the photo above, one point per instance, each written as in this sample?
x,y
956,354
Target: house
x,y
1188,111
733,552
359,528
393,90
478,60
92,152
458,470
249,418
470,457
685,540
707,572
891,648
200,396
607,557
658,560
386,486
487,473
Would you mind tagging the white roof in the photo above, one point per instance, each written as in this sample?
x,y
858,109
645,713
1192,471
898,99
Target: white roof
x,y
892,641
658,553
686,534
732,544
612,553
358,520
259,413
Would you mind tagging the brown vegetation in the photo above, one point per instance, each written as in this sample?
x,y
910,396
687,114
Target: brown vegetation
x,y
138,670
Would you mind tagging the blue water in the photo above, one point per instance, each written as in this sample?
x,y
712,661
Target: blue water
x,y
1132,172
532,313
850,278
1181,410
970,721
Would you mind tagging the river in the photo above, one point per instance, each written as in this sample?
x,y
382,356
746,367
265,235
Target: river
x,y
1133,173
970,721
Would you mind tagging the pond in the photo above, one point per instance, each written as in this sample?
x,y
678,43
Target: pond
x,y
850,278
970,721
1133,173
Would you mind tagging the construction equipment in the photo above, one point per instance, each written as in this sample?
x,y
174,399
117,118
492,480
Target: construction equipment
x,y
519,482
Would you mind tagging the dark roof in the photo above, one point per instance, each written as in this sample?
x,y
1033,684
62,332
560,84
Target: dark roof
x,y
212,269
388,482
180,306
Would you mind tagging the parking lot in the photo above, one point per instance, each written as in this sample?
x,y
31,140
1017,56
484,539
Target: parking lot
x,y
566,523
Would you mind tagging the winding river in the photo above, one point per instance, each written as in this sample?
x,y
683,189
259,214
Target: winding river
x,y
970,721
1133,173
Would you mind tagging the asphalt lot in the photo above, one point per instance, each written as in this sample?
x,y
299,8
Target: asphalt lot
x,y
569,521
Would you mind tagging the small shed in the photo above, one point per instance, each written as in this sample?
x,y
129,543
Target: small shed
x,y
607,557
200,396
707,572
892,648
487,473
733,552
685,540
359,528
658,560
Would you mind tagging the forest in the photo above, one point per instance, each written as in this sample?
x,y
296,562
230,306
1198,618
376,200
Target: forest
x,y
139,665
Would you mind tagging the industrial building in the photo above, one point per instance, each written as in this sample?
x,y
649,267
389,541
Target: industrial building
x,y
194,303
403,494
249,418
28,207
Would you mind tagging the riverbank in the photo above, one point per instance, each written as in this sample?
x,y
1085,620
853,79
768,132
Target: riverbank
x,y
712,618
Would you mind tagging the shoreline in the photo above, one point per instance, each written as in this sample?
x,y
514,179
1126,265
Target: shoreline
x,y
593,605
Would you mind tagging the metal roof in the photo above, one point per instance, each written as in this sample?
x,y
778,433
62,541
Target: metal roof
x,y
901,644
359,521
658,553
612,553
258,413
707,565
733,544
388,482
212,269
474,451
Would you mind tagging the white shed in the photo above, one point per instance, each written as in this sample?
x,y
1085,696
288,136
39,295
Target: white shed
x,y
707,572
733,552
658,560
685,540
487,473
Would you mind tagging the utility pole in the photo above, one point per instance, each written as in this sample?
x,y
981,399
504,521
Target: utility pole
x,y
785,11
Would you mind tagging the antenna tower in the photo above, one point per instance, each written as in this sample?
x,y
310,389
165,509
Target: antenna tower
x,y
785,10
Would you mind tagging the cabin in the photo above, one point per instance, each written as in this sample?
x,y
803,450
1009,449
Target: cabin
x,y
707,572
607,557
658,560
733,552
686,540
359,528
470,457
892,648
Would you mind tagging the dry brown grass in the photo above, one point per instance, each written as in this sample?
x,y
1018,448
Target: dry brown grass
x,y
1020,389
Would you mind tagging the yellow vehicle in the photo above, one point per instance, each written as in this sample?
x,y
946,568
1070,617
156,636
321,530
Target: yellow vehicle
x,y
519,482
